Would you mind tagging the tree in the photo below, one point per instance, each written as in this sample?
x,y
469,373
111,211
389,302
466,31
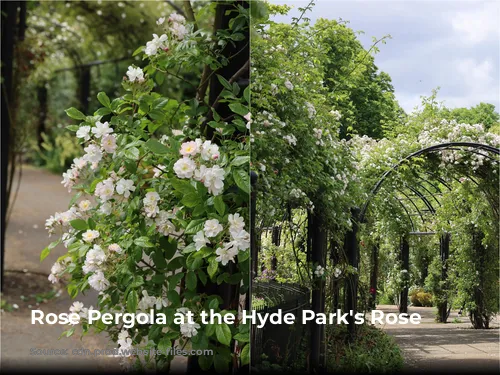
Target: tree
x,y
363,95
483,113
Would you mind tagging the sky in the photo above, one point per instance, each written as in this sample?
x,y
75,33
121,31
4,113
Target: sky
x,y
447,43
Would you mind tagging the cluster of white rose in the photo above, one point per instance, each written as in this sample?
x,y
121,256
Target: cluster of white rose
x,y
60,219
291,139
195,155
319,271
124,342
239,238
95,261
451,131
96,257
188,329
103,142
148,302
135,74
175,26
336,114
311,111
58,269
337,272
81,310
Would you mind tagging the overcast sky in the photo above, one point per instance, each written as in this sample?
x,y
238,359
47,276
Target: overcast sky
x,y
446,43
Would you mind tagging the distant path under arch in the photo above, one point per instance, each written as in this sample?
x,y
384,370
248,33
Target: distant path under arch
x,y
450,347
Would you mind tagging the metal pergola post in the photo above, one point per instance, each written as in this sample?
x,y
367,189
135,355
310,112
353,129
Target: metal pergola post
x,y
351,283
374,276
318,257
405,259
444,250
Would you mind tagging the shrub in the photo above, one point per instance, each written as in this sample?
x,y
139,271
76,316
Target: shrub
x,y
372,351
57,151
419,297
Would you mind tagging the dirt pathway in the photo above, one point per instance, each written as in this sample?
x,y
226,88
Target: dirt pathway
x,y
40,195
452,347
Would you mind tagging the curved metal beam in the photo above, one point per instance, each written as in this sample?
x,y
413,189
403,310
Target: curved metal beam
x,y
440,147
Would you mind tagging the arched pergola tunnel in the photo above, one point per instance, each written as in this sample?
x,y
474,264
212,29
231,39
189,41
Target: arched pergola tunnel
x,y
420,200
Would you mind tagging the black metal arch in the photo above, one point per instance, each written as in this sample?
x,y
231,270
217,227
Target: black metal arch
x,y
436,148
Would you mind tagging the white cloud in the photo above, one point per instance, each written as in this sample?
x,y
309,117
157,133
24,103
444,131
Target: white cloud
x,y
478,24
477,76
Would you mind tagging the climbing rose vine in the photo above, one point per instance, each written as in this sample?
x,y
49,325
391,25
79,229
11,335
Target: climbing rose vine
x,y
158,209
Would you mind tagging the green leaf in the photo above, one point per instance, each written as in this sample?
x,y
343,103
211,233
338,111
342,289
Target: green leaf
x,y
241,337
224,82
79,224
245,355
210,329
242,180
156,147
160,103
191,200
143,242
45,252
75,114
169,246
219,204
131,153
103,111
70,332
131,166
243,255
159,77
73,128
137,51
164,344
216,115
91,223
173,297
132,301
212,268
159,259
199,211
103,99
158,279
195,226
240,160
202,276
194,263
239,109
54,244
223,334
205,362
191,280
157,114
214,304
246,94
72,290
184,187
